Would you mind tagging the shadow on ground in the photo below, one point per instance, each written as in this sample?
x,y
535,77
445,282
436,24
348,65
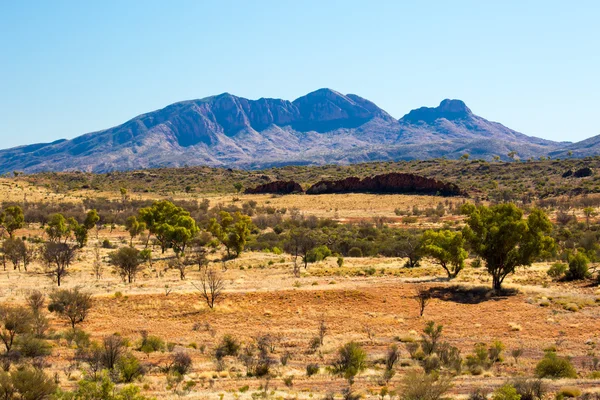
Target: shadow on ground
x,y
469,295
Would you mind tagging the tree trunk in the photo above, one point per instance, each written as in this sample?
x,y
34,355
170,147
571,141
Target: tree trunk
x,y
496,283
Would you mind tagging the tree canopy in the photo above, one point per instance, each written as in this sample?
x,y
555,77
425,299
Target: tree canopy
x,y
504,239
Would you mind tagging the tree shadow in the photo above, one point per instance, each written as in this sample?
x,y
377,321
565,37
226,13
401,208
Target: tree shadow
x,y
470,295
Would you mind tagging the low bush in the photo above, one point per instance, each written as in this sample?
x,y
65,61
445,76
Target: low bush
x,y
552,366
506,392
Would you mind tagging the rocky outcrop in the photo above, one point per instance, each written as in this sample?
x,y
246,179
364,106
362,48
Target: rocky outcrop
x,y
387,183
567,173
583,172
277,187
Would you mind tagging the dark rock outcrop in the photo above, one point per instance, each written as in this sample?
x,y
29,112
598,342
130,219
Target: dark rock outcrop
x,y
277,187
583,172
387,183
567,173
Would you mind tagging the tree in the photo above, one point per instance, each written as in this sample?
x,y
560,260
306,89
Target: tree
x,y
14,250
81,233
447,249
134,227
238,186
211,286
58,228
13,321
408,245
504,240
589,212
91,219
231,230
422,297
12,219
71,304
127,261
58,257
298,243
172,225
351,360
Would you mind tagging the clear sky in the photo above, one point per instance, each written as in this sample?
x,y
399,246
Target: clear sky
x,y
71,67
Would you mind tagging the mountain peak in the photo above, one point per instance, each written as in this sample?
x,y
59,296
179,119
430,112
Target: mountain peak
x,y
454,106
449,109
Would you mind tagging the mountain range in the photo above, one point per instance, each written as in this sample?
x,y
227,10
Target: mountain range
x,y
322,127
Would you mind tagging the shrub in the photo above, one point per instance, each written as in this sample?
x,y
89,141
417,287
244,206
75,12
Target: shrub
x,y
80,337
129,368
351,360
312,369
568,391
495,351
552,366
506,392
431,363
557,270
417,386
26,383
229,346
479,394
578,267
355,252
181,362
529,389
150,344
30,346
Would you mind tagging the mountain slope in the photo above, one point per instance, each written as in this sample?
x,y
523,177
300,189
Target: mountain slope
x,y
319,128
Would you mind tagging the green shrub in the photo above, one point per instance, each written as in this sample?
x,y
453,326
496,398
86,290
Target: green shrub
x,y
351,360
318,254
129,368
30,346
355,252
150,344
80,337
26,383
312,369
229,346
506,392
557,270
552,366
578,267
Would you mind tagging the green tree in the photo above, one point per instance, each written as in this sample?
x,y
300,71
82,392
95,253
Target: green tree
x,y
127,261
134,227
172,225
58,257
504,240
447,249
91,219
231,230
71,304
238,186
13,321
12,219
58,228
589,212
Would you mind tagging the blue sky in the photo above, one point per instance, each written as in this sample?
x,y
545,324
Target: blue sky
x,y
71,67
